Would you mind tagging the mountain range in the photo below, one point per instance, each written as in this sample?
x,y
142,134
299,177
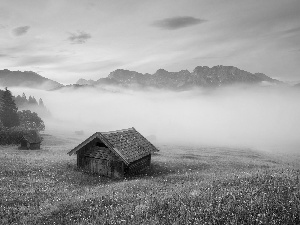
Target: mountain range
x,y
201,76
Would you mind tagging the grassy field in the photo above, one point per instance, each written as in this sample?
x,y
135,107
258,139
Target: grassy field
x,y
185,185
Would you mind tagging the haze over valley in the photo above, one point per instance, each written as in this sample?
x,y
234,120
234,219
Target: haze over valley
x,y
261,113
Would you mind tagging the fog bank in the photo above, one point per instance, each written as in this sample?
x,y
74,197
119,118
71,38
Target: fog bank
x,y
235,116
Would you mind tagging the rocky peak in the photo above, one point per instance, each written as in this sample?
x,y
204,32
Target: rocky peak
x,y
126,76
85,82
203,76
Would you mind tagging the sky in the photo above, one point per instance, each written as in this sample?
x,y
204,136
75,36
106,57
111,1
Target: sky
x,y
65,40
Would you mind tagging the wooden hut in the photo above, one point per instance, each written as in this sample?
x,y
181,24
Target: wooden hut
x,y
31,140
114,153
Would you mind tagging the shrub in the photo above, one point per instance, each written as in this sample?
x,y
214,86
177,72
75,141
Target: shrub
x,y
11,136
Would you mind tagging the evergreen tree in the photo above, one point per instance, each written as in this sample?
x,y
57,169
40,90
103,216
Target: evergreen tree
x,y
24,101
8,113
32,100
41,103
19,101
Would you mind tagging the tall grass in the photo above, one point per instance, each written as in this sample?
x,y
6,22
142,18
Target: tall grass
x,y
183,186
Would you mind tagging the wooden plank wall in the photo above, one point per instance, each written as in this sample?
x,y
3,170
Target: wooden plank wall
x,y
140,164
34,146
99,160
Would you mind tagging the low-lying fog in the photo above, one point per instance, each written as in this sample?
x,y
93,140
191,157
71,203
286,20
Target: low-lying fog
x,y
259,117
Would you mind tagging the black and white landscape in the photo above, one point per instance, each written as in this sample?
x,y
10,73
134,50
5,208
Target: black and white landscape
x,y
214,85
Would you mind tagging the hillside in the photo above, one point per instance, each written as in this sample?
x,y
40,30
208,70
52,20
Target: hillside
x,y
200,77
26,79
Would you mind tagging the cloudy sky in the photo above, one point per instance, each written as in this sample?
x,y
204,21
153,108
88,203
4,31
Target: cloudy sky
x,y
66,40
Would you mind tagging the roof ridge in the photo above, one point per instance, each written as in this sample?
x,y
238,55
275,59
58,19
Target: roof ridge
x,y
116,131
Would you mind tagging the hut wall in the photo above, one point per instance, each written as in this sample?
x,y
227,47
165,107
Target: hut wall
x,y
95,158
80,153
34,146
24,144
80,157
98,166
118,169
139,165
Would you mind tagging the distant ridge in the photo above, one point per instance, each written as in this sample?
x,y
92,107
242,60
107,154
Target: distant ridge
x,y
82,81
26,79
202,76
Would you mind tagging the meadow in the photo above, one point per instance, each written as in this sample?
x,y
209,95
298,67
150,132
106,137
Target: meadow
x,y
184,185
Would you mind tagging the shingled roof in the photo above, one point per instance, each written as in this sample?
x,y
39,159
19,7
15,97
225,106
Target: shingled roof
x,y
128,144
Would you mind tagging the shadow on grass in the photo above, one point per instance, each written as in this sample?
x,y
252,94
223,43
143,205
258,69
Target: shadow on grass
x,y
160,169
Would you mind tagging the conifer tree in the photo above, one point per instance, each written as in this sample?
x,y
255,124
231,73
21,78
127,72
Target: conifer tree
x,y
24,101
32,100
19,101
8,111
41,103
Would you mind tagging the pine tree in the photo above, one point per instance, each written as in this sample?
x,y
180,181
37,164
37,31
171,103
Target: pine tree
x,y
41,103
32,100
19,101
24,101
8,113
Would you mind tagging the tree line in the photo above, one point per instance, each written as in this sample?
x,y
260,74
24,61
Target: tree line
x,y
22,101
30,103
10,117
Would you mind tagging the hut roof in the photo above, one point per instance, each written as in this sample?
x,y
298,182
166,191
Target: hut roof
x,y
32,137
128,144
